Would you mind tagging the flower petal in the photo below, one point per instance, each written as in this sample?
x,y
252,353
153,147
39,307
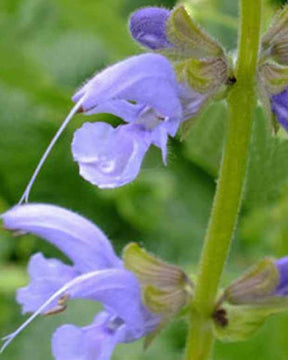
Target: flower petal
x,y
160,139
279,104
282,266
147,79
118,290
79,239
94,342
125,110
148,27
46,277
191,100
109,157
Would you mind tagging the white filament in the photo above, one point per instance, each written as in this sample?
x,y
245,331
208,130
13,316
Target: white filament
x,y
26,193
9,338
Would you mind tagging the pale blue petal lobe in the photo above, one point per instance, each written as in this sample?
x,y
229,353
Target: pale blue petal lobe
x,y
83,242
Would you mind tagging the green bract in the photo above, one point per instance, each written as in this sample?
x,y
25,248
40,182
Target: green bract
x,y
188,38
248,302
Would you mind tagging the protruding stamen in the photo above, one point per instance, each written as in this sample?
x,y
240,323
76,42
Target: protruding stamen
x,y
75,109
9,338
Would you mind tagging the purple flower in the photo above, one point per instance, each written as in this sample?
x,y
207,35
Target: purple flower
x,y
96,274
279,104
148,27
144,92
282,267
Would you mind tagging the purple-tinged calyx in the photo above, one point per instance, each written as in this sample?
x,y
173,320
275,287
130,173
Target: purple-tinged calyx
x,y
274,42
255,287
166,288
273,89
261,285
148,27
96,274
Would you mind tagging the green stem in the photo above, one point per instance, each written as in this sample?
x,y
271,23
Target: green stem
x,y
241,103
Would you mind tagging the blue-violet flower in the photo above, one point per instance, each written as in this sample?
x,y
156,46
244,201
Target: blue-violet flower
x,y
96,274
143,91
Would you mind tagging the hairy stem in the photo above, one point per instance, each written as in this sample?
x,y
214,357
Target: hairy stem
x,y
241,103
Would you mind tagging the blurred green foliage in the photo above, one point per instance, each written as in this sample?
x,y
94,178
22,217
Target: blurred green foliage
x,y
48,48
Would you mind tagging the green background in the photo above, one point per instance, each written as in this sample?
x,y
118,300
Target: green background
x,y
47,49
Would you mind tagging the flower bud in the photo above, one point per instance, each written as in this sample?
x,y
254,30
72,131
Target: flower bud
x,y
148,27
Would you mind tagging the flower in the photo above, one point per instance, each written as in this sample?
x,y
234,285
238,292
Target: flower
x,y
148,27
146,92
96,274
143,91
279,105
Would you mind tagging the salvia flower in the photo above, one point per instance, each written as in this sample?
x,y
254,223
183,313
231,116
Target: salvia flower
x,y
265,282
275,41
139,295
151,96
143,91
96,274
273,90
273,68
